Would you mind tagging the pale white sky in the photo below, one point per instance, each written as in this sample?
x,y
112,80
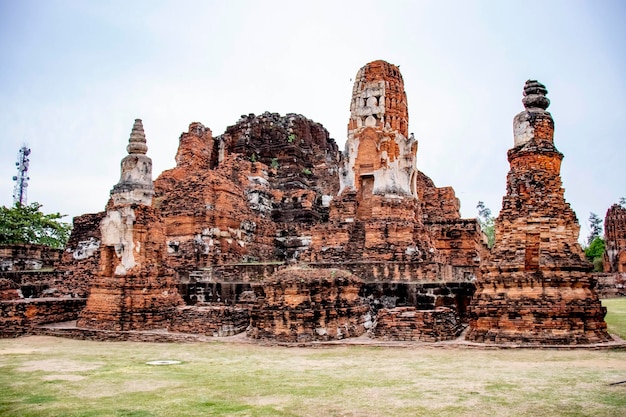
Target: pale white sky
x,y
75,74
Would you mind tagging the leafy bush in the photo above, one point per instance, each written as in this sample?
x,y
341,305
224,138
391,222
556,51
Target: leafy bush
x,y
595,253
27,224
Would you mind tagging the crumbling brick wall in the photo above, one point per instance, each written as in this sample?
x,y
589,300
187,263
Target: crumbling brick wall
x,y
215,320
9,290
135,294
28,257
610,284
303,305
81,257
20,316
411,324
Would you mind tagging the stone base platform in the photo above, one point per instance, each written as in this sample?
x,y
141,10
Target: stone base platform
x,y
70,331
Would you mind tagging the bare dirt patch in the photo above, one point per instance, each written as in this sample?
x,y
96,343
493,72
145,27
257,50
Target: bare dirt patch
x,y
30,345
98,389
274,400
58,365
20,351
63,377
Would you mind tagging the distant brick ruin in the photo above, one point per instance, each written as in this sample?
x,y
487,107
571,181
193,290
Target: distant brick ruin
x,y
612,282
536,285
270,230
615,239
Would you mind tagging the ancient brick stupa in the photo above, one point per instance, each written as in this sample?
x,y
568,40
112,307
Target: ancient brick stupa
x,y
377,215
389,224
536,286
381,154
133,289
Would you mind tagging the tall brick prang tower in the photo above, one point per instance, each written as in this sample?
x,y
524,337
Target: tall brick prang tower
x,y
381,154
536,286
133,289
389,224
377,215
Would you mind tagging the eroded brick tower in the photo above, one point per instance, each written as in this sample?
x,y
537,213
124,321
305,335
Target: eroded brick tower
x,y
381,154
377,211
133,288
389,224
536,286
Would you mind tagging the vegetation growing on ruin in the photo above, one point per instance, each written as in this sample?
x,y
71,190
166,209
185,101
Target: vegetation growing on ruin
x,y
595,227
594,250
487,223
595,254
28,224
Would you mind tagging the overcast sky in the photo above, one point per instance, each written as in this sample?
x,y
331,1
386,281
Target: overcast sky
x,y
75,74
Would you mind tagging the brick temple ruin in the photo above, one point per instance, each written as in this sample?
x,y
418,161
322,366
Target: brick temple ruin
x,y
536,285
133,288
612,283
271,230
615,238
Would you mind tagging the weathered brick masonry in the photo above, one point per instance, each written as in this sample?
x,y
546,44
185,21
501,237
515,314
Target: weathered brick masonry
x,y
536,285
216,320
410,324
134,289
615,239
303,305
375,243
20,316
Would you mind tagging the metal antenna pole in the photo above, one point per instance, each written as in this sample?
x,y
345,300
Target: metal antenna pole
x,y
21,179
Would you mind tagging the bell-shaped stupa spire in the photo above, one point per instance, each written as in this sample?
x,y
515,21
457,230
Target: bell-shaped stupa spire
x,y
534,124
137,140
135,185
535,95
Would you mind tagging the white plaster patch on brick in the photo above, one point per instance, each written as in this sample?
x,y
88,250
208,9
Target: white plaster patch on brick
x,y
522,131
117,231
86,248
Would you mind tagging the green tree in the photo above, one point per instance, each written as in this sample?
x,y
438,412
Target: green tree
x,y
595,225
487,223
595,253
27,224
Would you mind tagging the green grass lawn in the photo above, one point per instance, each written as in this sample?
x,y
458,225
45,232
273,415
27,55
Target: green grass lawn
x,y
616,316
45,376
